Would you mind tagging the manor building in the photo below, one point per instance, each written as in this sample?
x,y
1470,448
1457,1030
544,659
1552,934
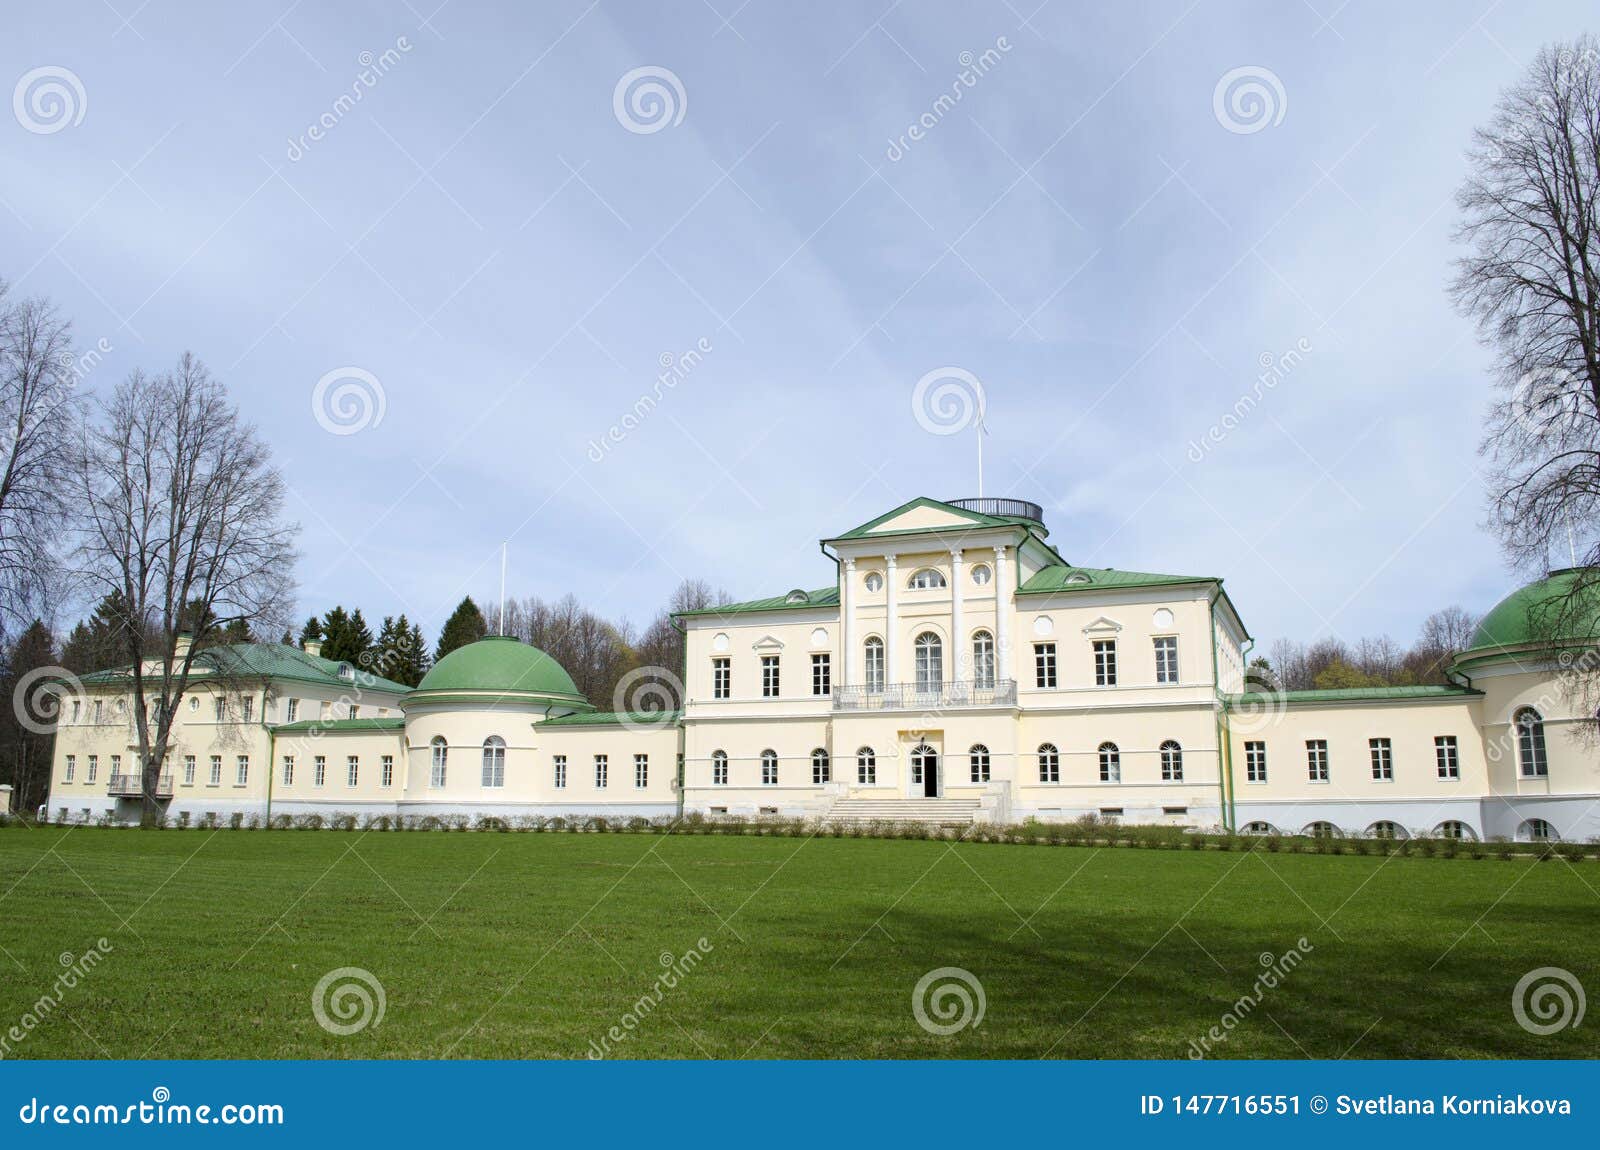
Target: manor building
x,y
957,669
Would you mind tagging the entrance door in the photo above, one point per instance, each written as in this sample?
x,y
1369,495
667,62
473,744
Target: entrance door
x,y
925,771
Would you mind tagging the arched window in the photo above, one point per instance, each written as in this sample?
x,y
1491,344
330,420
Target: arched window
x,y
1537,831
982,659
821,768
1258,828
1321,830
1385,829
1110,763
769,768
866,766
874,652
1049,763
494,761
1530,744
925,580
1453,829
1171,762
978,757
441,752
719,768
930,662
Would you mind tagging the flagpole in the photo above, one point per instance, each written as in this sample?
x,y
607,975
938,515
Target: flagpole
x,y
502,627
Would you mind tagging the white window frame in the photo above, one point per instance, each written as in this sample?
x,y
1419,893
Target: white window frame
x,y
216,771
1110,757
1049,756
822,674
386,771
1447,757
438,761
559,767
1381,749
721,677
769,768
978,763
1318,769
1255,761
241,771
494,763
866,766
352,770
926,579
821,767
929,667
1171,752
1105,662
602,771
1045,673
319,770
771,677
288,770
641,771
873,659
188,770
1166,652
719,768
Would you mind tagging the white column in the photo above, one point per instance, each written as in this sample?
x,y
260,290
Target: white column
x,y
1002,616
891,621
957,634
847,623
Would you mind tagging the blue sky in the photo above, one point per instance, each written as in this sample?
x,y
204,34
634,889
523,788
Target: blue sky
x,y
1110,247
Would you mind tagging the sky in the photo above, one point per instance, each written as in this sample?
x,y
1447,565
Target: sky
x,y
440,254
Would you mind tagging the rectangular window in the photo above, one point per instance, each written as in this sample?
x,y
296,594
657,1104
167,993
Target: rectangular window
x,y
821,675
1105,662
1317,760
97,709
94,768
355,711
291,710
386,776
1382,760
241,771
600,765
561,772
288,770
874,651
72,767
769,771
219,708
721,678
77,705
216,770
769,676
1044,664
116,765
1049,764
1444,750
641,770
1255,762
319,770
247,707
188,770
1167,659
352,770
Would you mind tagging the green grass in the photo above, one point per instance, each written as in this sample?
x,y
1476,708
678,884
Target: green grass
x,y
534,945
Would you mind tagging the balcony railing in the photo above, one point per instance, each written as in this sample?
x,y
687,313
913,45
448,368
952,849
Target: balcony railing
x,y
926,697
132,786
1009,508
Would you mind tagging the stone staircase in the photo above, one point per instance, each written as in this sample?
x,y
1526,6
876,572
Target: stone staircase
x,y
936,812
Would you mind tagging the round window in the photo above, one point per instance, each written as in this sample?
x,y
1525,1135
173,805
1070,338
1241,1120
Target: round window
x,y
874,581
981,574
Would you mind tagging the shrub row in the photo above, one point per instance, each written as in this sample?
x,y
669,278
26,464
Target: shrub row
x,y
1088,831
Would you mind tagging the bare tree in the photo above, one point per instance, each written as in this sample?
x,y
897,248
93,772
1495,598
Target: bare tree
x,y
183,519
38,404
1531,281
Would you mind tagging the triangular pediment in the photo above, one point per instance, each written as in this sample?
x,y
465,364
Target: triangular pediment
x,y
767,643
1105,625
921,515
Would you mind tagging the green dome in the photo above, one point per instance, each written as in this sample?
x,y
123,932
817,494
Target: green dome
x,y
500,663
1534,614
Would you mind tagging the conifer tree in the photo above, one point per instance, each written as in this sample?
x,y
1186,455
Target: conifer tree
x,y
465,625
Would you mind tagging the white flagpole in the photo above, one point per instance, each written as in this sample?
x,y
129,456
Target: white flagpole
x,y
502,627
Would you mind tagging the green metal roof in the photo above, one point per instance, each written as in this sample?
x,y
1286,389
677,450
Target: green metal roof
x,y
500,663
616,719
822,597
1053,580
1562,607
275,661
1351,695
385,723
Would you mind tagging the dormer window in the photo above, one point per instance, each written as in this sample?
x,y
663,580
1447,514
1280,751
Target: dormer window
x,y
1078,577
797,597
346,671
926,580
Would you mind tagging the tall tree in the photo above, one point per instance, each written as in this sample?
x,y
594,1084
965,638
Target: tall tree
x,y
1531,281
182,504
99,642
27,735
397,654
465,625
311,632
346,638
38,409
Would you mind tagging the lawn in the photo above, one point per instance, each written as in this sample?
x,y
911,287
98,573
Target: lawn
x,y
536,945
